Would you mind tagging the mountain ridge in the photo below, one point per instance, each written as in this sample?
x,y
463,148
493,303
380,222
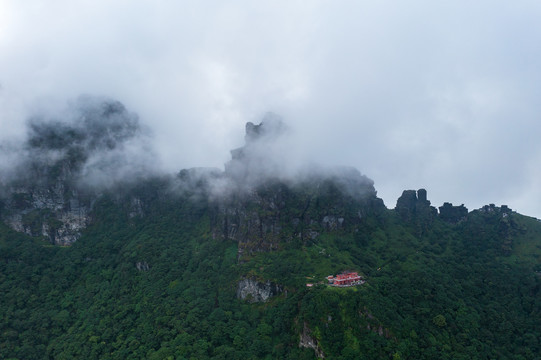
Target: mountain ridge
x,y
234,264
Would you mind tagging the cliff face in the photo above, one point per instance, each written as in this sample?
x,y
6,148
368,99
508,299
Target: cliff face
x,y
252,290
267,209
415,205
44,201
253,202
49,213
275,213
52,187
307,340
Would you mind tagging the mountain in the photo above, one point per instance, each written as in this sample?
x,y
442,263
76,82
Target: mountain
x,y
234,264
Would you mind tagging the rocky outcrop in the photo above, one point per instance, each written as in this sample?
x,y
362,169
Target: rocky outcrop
x,y
142,266
453,214
275,213
414,205
308,341
252,202
262,208
507,228
50,212
504,210
51,188
251,290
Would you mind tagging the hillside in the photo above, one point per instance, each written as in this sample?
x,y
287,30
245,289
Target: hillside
x,y
215,264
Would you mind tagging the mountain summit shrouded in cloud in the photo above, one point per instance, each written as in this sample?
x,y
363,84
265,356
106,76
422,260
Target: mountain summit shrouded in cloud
x,y
51,180
263,155
94,141
423,93
271,153
68,160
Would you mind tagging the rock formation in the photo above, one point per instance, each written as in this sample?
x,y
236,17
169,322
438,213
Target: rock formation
x,y
251,290
51,190
307,340
453,214
261,211
414,205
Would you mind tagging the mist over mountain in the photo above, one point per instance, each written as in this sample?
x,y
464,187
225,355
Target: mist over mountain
x,y
93,142
376,214
69,158
105,255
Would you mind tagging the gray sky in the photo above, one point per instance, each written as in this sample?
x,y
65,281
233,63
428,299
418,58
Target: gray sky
x,y
443,95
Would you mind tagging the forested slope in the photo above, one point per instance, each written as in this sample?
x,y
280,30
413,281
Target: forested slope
x,y
211,264
162,285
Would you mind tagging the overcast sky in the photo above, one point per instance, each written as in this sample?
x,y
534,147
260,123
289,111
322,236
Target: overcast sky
x,y
442,95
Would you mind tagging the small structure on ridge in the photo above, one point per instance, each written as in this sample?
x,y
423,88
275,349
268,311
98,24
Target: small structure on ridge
x,y
345,279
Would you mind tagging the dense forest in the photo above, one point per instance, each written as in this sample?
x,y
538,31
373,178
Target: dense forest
x,y
207,264
161,286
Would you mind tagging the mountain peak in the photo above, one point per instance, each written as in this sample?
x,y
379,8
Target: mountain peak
x,y
270,127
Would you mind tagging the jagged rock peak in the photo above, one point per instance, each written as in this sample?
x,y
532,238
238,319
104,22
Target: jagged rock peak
x,y
453,214
269,155
264,155
414,204
259,137
411,199
491,208
270,127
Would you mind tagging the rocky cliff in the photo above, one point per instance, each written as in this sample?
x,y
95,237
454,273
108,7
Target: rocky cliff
x,y
268,209
251,290
62,167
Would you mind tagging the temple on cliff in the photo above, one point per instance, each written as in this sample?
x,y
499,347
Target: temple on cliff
x,y
345,279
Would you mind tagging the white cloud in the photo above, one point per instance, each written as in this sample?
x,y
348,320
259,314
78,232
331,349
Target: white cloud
x,y
441,95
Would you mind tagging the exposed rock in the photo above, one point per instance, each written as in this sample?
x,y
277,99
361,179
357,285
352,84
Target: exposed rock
x,y
259,202
507,227
252,290
255,220
374,325
332,222
406,204
49,212
308,341
50,190
253,162
142,266
453,214
413,205
136,208
504,210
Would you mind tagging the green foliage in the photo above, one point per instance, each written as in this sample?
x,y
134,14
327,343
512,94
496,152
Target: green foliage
x,y
159,286
439,320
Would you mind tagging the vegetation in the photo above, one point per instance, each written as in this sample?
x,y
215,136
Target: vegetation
x,y
161,286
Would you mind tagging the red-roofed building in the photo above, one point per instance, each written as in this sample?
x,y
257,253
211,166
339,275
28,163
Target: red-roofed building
x,y
345,279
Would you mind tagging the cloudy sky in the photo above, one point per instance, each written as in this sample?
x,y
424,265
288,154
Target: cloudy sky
x,y
443,95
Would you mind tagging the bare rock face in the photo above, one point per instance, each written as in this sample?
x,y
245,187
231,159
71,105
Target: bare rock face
x,y
453,214
276,213
142,266
252,290
266,206
414,205
53,181
308,341
50,212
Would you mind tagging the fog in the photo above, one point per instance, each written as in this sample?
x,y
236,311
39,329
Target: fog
x,y
442,96
93,142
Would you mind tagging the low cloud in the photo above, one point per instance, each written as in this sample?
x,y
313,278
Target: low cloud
x,y
442,96
93,142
